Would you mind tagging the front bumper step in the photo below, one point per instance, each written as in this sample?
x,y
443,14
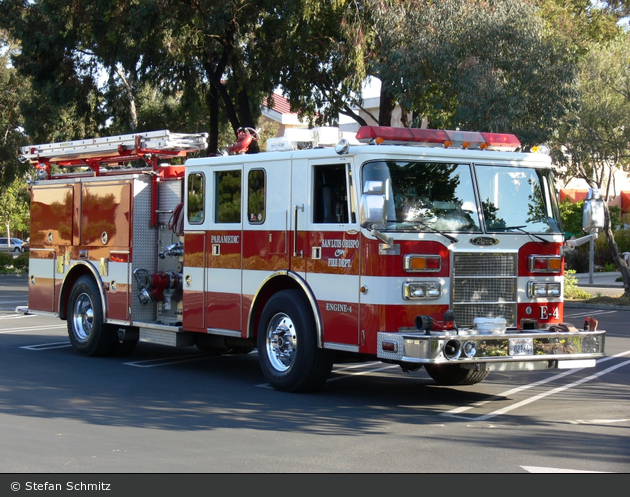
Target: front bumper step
x,y
519,347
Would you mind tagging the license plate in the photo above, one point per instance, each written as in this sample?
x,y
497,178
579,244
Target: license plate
x,y
521,346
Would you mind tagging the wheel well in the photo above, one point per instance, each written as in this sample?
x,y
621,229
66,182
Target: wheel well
x,y
73,275
272,286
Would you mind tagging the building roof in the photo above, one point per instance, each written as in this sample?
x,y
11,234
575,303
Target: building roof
x,y
280,104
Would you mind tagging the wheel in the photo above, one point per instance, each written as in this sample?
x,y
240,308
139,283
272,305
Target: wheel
x,y
287,345
88,334
452,374
17,250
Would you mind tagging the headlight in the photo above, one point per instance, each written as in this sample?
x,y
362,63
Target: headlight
x,y
421,290
536,290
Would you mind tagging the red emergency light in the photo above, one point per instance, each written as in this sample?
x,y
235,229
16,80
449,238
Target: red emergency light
x,y
438,138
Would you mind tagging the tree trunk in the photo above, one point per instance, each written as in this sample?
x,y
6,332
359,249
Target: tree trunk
x,y
132,102
213,131
246,118
386,107
618,260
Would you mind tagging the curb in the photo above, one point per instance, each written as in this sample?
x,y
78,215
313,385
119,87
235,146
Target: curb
x,y
579,304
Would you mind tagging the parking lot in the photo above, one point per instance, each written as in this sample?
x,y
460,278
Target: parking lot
x,y
179,411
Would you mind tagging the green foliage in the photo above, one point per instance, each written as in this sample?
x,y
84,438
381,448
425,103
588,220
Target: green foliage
x,y
13,265
476,65
13,89
571,289
571,213
14,208
323,56
603,255
598,141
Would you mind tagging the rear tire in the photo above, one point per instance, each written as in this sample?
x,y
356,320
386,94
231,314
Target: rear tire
x,y
89,335
452,374
288,353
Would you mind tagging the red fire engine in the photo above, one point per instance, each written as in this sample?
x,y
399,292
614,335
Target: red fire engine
x,y
416,247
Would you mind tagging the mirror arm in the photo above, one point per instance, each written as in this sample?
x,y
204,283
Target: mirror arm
x,y
580,241
571,244
388,240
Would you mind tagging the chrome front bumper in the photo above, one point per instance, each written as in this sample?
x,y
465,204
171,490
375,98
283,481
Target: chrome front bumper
x,y
518,347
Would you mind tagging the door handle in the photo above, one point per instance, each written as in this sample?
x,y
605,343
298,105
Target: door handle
x,y
296,209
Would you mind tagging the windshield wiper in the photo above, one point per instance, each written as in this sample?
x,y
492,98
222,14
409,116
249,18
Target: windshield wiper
x,y
520,228
434,230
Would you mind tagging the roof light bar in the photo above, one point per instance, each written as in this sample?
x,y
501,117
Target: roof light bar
x,y
504,142
438,138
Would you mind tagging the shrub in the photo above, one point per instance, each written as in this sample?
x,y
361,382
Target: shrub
x,y
21,263
577,260
603,256
571,290
9,265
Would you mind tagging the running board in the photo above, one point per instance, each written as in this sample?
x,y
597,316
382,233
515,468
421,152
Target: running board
x,y
174,338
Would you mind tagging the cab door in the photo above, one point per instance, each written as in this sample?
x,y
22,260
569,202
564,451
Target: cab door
x,y
196,222
224,252
331,248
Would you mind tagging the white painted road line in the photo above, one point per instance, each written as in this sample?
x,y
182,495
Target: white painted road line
x,y
459,410
156,363
347,373
588,313
550,392
16,316
47,346
540,469
598,421
32,328
358,373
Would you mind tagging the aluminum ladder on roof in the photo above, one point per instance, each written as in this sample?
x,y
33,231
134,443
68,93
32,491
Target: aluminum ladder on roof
x,y
110,146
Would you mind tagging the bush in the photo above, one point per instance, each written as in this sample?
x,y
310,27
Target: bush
x,y
9,265
571,290
603,255
577,260
21,263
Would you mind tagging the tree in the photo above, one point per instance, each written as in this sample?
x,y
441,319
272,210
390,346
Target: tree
x,y
14,213
324,57
200,63
599,141
13,89
476,65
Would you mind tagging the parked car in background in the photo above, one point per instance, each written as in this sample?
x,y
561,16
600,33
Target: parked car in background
x,y
17,246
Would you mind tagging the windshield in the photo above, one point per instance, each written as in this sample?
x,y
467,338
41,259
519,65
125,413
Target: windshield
x,y
518,197
439,196
425,196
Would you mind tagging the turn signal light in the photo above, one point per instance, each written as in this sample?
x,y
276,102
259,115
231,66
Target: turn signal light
x,y
545,264
422,263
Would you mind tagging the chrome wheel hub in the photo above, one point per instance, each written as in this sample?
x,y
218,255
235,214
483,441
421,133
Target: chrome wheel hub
x,y
281,342
83,317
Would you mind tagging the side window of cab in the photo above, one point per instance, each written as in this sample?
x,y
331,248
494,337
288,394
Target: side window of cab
x,y
196,198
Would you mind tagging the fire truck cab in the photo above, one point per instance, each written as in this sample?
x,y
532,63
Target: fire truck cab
x,y
441,249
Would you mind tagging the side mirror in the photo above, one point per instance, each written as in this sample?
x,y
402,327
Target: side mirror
x,y
593,215
372,205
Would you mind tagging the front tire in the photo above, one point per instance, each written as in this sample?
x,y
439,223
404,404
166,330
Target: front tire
x,y
453,375
288,353
89,335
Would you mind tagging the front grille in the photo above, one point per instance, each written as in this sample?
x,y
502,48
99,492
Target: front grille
x,y
484,285
484,290
476,264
